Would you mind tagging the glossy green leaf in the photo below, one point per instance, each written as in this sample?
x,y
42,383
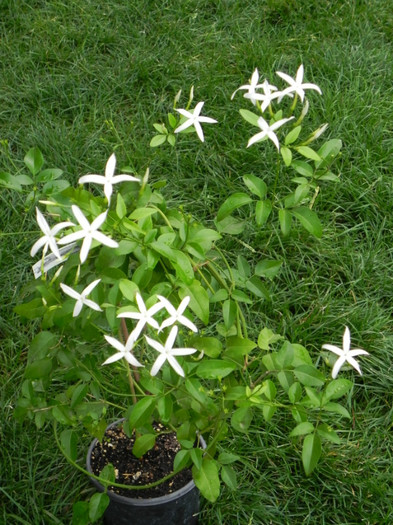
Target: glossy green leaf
x,y
207,480
143,444
336,389
80,513
232,203
309,220
286,154
256,185
295,392
337,409
157,140
302,429
228,476
311,452
229,310
268,268
39,369
328,433
328,152
303,168
141,411
249,117
230,225
211,346
256,286
97,505
262,211
267,337
241,418
308,375
128,289
69,441
121,208
285,219
215,368
10,181
293,135
34,160
308,152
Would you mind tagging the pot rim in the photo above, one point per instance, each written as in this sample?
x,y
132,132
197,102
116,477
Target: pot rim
x,y
142,502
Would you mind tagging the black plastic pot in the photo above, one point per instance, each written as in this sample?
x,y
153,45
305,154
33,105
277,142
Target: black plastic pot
x,y
178,508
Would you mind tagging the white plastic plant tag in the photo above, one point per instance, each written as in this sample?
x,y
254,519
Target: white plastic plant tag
x,y
50,261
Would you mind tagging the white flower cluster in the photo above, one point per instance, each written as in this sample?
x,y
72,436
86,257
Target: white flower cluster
x,y
145,317
269,94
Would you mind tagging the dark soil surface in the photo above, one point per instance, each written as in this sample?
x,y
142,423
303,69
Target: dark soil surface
x,y
116,448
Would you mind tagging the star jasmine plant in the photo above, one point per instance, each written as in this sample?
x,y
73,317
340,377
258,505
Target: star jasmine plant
x,y
181,323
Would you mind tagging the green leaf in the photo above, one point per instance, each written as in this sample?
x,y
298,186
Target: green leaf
x,y
268,268
80,513
303,168
49,174
313,396
229,310
328,152
108,473
308,375
172,120
337,409
256,185
215,368
230,225
78,394
295,392
262,211
207,480
196,455
39,369
286,154
293,135
302,429
195,388
41,345
157,140
142,213
225,458
286,379
128,289
266,338
309,220
328,433
143,444
241,418
25,180
219,296
10,182
181,460
69,441
336,389
97,505
311,452
243,267
199,299
249,117
55,186
256,286
232,203
308,152
228,476
239,346
211,346
165,408
141,411
160,128
121,208
241,297
285,219
34,160
171,139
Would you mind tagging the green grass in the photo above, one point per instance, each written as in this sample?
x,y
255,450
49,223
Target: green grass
x,y
80,80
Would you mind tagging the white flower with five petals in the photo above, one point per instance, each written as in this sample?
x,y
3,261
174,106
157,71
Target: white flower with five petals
x,y
144,316
296,85
269,94
176,316
109,179
194,119
123,351
81,298
268,131
48,240
88,233
345,354
167,353
251,87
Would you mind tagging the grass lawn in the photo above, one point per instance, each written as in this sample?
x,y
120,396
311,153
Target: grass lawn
x,y
83,79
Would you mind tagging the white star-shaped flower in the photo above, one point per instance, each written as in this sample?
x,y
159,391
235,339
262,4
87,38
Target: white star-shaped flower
x,y
251,87
81,298
48,240
109,179
295,84
123,351
345,354
88,233
176,316
268,131
269,93
167,353
194,120
144,316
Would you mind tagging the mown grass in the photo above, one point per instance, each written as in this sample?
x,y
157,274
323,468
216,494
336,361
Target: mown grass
x,y
80,80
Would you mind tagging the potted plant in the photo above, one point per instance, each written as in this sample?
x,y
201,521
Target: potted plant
x,y
144,317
